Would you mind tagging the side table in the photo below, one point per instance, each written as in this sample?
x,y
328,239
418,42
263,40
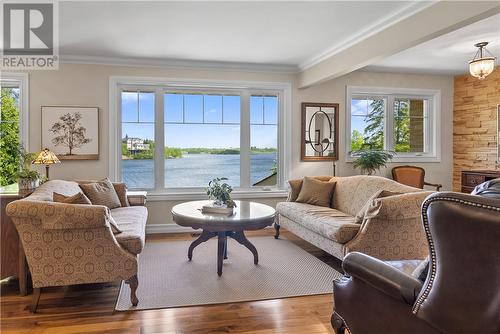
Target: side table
x,y
13,261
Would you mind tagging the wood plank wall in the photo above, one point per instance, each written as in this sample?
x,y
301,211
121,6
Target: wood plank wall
x,y
474,124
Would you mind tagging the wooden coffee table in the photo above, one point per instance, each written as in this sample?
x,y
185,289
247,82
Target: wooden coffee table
x,y
247,216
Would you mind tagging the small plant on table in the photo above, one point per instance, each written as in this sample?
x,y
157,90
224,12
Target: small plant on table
x,y
220,192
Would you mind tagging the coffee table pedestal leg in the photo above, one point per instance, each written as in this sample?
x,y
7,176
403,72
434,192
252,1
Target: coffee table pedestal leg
x,y
221,248
240,237
204,236
222,245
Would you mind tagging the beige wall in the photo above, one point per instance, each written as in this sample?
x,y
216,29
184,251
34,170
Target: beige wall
x,y
335,91
87,85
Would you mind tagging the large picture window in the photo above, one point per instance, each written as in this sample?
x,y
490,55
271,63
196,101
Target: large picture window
x,y
202,138
404,121
181,138
13,125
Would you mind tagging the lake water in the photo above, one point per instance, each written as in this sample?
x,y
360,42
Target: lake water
x,y
196,170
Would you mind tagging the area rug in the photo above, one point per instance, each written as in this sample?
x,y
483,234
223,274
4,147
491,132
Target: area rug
x,y
168,279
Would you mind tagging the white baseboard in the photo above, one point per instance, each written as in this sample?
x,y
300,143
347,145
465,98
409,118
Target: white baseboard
x,y
168,228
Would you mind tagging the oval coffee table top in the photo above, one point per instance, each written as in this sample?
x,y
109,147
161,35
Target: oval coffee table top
x,y
247,216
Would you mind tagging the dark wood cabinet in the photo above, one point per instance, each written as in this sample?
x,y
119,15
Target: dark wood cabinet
x,y
13,261
472,178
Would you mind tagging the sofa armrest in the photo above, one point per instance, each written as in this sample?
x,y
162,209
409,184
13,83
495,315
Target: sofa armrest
x,y
137,198
382,277
60,215
392,228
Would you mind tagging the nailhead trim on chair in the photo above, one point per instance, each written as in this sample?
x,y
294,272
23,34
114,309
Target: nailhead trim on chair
x,y
345,322
425,220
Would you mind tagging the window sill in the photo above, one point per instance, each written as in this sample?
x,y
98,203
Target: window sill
x,y
400,159
200,195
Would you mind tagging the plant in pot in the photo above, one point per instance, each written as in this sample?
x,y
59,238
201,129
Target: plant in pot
x,y
27,178
370,161
220,192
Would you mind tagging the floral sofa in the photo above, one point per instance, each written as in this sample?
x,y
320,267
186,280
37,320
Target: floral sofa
x,y
69,244
388,228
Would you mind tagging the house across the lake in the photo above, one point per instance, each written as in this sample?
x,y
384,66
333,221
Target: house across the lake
x,y
136,144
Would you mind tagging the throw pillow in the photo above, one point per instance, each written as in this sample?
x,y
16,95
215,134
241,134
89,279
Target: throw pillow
x,y
121,191
295,186
120,188
316,192
78,198
360,216
102,193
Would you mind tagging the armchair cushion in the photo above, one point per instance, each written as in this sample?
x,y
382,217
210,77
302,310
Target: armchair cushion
x,y
102,193
382,277
131,221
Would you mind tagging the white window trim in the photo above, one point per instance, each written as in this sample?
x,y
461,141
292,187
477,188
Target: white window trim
x,y
22,80
284,128
432,138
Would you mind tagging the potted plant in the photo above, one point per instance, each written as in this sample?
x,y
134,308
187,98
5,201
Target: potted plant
x,y
220,193
370,161
26,177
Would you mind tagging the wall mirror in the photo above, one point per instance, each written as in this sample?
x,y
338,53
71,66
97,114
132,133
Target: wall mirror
x,y
320,125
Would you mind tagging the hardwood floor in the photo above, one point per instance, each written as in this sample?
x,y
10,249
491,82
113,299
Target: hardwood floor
x,y
89,309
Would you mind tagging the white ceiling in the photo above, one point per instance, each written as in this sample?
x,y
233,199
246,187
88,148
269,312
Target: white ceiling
x,y
446,54
286,35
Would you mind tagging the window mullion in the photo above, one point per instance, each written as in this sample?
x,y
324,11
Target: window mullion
x,y
389,124
428,130
245,140
159,155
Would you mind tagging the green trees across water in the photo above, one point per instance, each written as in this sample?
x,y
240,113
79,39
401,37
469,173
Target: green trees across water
x,y
173,152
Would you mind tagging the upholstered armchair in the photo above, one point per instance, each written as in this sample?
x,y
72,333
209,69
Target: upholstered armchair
x,y
68,244
460,292
412,176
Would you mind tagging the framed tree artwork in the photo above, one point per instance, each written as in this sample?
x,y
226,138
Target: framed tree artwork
x,y
72,133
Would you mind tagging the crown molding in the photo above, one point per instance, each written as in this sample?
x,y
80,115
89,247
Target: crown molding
x,y
178,63
410,70
405,12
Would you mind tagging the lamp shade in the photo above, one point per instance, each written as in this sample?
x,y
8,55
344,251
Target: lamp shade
x,y
46,157
481,68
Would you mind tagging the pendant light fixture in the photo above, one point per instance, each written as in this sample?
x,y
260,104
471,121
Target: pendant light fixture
x,y
482,65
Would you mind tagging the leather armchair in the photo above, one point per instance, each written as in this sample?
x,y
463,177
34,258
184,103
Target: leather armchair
x,y
461,292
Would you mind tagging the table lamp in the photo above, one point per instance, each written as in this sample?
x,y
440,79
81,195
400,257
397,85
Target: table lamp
x,y
47,158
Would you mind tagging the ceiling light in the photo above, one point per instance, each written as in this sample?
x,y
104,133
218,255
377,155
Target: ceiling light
x,y
481,66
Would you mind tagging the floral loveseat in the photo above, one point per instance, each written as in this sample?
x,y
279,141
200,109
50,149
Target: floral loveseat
x,y
389,229
69,244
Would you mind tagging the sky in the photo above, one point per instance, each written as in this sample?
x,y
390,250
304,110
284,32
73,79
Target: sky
x,y
193,131
359,109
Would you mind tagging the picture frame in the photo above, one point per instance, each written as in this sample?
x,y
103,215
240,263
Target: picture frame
x,y
319,131
71,132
